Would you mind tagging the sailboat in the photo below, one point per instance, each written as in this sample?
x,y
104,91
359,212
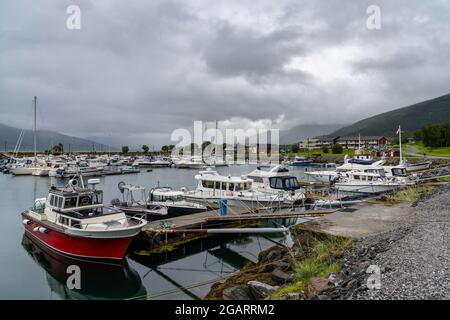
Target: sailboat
x,y
28,169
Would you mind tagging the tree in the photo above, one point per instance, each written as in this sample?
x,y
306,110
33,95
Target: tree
x,y
58,149
125,149
295,148
337,149
145,148
418,135
325,149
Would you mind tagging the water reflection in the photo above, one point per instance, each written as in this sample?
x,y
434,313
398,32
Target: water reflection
x,y
98,280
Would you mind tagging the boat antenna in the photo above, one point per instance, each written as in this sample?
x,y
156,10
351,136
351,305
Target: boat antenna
x,y
34,129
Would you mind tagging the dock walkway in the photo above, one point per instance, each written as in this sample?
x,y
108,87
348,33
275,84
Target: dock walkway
x,y
197,220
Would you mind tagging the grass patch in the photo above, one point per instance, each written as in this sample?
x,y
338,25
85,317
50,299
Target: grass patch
x,y
315,263
439,152
310,268
296,287
411,194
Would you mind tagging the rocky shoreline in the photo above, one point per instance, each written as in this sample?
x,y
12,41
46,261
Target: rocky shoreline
x,y
409,262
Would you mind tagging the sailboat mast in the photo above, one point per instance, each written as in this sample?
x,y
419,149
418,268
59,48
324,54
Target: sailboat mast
x,y
400,143
34,128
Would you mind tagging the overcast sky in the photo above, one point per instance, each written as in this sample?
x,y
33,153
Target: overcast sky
x,y
139,69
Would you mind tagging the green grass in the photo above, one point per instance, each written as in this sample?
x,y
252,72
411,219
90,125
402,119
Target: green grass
x,y
438,152
411,194
315,265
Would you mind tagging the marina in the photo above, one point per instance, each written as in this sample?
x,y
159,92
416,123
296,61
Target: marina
x,y
238,151
262,222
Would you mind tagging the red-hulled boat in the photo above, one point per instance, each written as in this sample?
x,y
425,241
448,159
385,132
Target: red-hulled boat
x,y
73,221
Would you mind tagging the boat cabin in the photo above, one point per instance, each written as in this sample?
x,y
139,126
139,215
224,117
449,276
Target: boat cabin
x,y
212,181
276,177
165,194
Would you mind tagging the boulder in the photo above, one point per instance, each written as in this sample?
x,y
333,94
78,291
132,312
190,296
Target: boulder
x,y
239,292
317,286
293,296
273,255
284,266
261,290
279,276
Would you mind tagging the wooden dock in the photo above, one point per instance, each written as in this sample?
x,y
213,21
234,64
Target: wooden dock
x,y
205,219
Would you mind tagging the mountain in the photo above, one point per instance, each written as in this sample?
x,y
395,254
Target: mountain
x,y
410,118
45,140
300,132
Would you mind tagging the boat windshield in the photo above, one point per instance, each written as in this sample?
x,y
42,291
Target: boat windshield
x,y
284,183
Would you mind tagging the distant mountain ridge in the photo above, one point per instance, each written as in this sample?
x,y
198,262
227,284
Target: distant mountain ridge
x,y
410,118
46,140
304,131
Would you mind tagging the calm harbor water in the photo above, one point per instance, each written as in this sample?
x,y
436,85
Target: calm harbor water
x,y
29,271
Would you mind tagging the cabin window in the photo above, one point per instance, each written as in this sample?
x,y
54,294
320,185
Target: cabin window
x,y
231,186
75,223
60,202
217,185
63,220
70,202
369,178
239,186
98,198
276,183
85,201
356,177
224,186
208,184
291,183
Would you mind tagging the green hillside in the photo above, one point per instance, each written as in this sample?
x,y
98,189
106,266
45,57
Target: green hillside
x,y
410,118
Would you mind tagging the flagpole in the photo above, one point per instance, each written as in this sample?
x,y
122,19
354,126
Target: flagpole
x,y
400,143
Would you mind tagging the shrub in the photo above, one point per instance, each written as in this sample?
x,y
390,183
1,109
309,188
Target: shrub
x,y
337,149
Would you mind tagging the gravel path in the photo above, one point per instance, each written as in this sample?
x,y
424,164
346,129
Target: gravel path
x,y
414,260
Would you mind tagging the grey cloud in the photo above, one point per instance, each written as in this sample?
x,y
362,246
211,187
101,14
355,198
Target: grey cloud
x,y
137,70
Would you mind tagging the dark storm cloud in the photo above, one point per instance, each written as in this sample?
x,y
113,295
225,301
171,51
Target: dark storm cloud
x,y
137,70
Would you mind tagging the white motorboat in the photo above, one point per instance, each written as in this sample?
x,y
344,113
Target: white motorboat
x,y
328,176
236,191
276,179
369,182
41,171
191,163
417,166
174,201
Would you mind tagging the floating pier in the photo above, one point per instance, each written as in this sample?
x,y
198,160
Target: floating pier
x,y
203,219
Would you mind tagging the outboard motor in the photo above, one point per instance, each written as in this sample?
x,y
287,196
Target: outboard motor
x,y
121,186
115,202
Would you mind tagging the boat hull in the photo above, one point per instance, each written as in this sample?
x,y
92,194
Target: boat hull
x,y
301,163
366,188
75,246
418,166
22,171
